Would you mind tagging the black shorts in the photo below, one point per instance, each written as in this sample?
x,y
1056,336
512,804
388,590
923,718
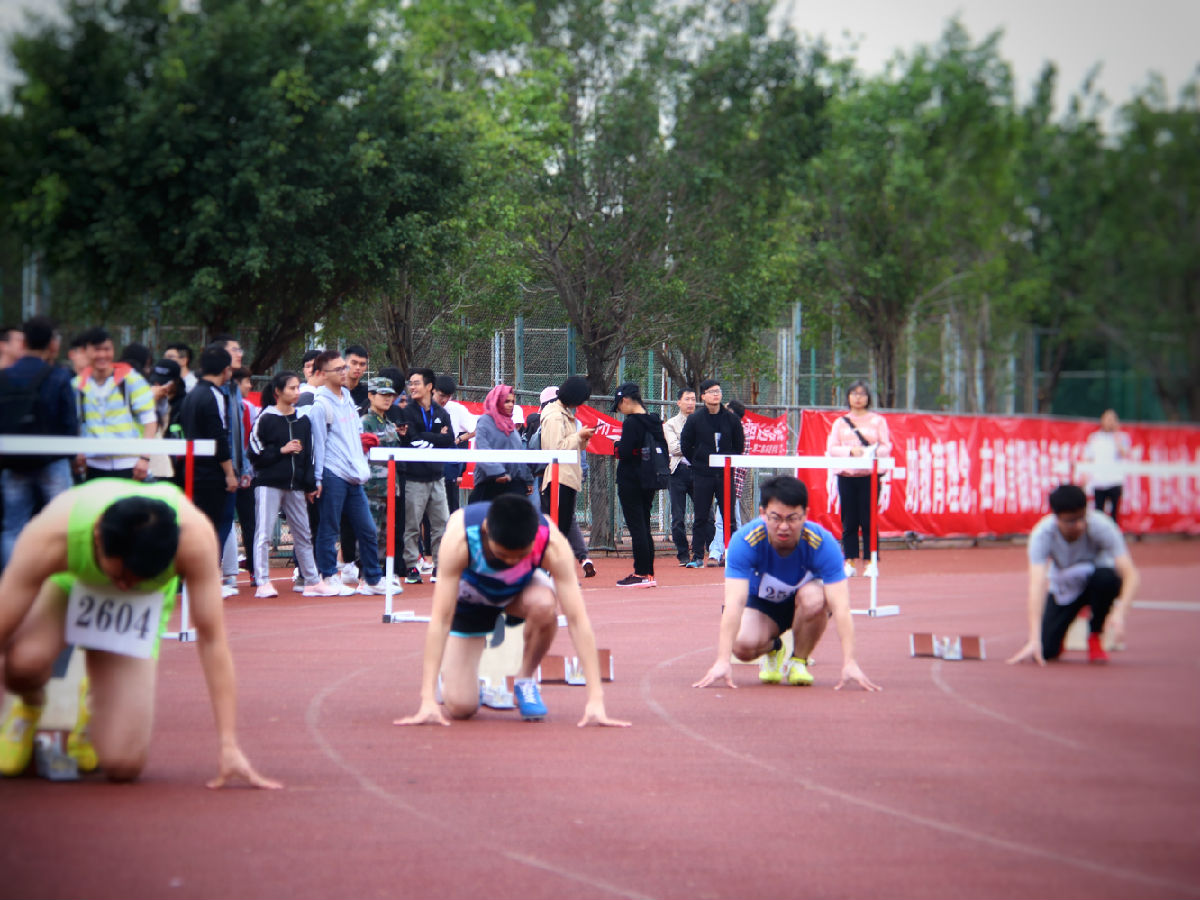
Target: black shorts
x,y
475,614
782,613
474,619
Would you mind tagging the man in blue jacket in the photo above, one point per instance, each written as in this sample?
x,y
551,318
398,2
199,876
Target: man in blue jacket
x,y
31,482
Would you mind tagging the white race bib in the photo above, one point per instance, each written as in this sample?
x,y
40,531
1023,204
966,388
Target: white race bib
x,y
103,618
773,590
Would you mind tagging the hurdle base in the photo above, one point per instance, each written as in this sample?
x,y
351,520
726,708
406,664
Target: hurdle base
x,y
404,615
877,611
184,637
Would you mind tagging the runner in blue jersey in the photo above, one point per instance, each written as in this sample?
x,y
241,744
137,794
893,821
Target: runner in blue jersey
x,y
502,557
782,572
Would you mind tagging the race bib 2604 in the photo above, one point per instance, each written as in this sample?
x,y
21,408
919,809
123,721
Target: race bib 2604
x,y
112,620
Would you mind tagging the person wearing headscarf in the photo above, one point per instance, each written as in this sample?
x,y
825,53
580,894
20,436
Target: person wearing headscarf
x,y
496,430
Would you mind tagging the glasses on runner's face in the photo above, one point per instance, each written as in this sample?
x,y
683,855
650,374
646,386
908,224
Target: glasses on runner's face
x,y
794,519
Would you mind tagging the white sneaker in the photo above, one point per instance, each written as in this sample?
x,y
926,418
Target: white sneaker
x,y
297,578
849,569
368,589
266,590
871,571
328,588
424,566
228,590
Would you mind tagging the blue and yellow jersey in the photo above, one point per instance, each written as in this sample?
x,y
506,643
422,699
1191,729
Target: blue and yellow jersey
x,y
750,556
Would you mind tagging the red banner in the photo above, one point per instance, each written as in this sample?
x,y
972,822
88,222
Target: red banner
x,y
979,475
765,437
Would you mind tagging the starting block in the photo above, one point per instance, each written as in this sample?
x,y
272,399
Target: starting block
x,y
501,660
58,718
950,647
1077,635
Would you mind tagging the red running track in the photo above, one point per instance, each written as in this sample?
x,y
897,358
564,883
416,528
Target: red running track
x,y
960,779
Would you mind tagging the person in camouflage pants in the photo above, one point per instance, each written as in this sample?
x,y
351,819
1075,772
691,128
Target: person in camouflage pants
x,y
380,394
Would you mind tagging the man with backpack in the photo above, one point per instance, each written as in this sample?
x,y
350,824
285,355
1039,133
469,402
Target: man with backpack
x,y
643,468
114,402
35,399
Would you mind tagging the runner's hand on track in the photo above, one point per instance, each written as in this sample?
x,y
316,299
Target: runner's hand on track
x,y
1032,650
235,767
430,713
720,669
594,714
851,672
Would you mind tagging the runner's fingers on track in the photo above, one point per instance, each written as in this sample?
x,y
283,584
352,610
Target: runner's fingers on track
x,y
235,768
596,715
854,673
715,673
424,716
1031,650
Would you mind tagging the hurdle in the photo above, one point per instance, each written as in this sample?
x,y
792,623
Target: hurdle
x,y
553,458
1143,469
39,445
872,464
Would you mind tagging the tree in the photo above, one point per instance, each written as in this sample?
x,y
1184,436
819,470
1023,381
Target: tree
x,y
1152,310
750,114
254,164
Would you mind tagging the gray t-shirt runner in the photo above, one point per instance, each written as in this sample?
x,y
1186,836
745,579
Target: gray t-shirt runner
x,y
1073,562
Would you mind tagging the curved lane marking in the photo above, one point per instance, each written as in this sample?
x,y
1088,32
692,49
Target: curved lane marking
x,y
875,806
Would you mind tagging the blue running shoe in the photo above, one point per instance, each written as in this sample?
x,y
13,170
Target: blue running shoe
x,y
529,700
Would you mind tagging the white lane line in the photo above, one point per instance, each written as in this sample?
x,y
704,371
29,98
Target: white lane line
x,y
312,717
914,818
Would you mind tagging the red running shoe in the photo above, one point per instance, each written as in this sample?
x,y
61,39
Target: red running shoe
x,y
1096,652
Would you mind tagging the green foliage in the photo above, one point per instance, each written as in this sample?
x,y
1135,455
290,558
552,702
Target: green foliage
x,y
252,163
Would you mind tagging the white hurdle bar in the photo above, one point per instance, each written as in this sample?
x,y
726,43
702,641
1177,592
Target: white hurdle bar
x,y
871,464
1143,469
436,455
37,445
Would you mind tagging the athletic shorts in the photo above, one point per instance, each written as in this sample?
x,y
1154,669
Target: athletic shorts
x,y
781,612
476,613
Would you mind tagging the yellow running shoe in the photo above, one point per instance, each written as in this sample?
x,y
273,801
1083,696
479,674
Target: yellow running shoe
x,y
79,742
16,737
771,669
798,672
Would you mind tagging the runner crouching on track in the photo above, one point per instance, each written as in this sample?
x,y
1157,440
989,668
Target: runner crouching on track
x,y
782,572
99,567
1077,559
494,559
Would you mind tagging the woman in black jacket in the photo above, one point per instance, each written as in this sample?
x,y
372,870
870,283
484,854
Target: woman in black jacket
x,y
635,494
281,449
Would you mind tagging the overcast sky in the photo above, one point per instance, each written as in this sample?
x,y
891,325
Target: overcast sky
x,y
1130,39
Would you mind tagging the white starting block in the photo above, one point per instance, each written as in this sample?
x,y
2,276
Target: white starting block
x,y
1077,636
950,647
501,660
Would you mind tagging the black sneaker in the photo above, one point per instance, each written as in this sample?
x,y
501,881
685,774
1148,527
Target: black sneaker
x,y
683,561
637,581
413,576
